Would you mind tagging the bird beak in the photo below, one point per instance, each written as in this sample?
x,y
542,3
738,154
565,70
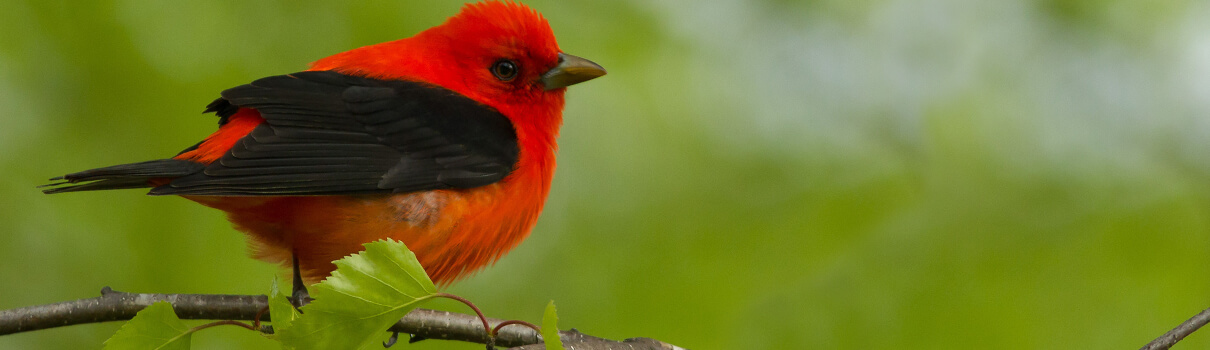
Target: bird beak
x,y
570,71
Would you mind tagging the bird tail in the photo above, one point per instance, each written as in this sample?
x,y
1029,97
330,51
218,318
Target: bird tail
x,y
134,175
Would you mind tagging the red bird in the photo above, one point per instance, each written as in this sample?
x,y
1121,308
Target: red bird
x,y
444,140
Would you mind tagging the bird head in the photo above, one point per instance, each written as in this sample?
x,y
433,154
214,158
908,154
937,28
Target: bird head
x,y
502,54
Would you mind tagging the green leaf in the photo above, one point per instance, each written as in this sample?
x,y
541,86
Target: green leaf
x,y
550,328
366,294
281,312
155,327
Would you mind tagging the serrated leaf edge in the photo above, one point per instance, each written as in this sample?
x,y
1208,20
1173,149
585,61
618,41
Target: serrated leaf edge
x,y
389,245
170,340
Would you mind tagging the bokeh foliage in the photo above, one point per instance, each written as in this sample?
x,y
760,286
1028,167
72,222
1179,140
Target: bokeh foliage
x,y
751,174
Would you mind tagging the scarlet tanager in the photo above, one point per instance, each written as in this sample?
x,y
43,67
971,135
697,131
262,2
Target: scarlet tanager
x,y
444,141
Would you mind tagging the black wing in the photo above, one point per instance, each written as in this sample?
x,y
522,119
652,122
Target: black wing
x,y
331,133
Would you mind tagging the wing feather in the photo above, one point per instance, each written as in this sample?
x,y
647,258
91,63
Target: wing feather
x,y
329,133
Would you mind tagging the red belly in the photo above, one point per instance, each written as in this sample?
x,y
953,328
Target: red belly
x,y
452,232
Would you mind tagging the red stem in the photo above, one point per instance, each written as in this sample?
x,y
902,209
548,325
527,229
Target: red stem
x,y
486,327
256,320
220,323
520,322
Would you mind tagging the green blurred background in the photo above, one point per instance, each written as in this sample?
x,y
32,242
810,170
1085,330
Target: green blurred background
x,y
751,174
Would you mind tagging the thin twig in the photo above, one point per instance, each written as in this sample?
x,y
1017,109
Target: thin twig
x,y
117,306
1180,332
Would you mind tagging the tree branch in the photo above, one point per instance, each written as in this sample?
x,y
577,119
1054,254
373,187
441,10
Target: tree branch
x,y
430,324
1180,332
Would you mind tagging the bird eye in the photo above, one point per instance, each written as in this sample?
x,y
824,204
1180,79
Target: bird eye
x,y
504,70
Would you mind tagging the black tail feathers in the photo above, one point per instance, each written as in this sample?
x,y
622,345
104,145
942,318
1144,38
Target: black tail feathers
x,y
134,175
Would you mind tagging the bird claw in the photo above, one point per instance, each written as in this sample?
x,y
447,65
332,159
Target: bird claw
x,y
300,298
391,341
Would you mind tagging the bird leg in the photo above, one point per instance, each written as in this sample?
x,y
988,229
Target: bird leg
x,y
299,297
